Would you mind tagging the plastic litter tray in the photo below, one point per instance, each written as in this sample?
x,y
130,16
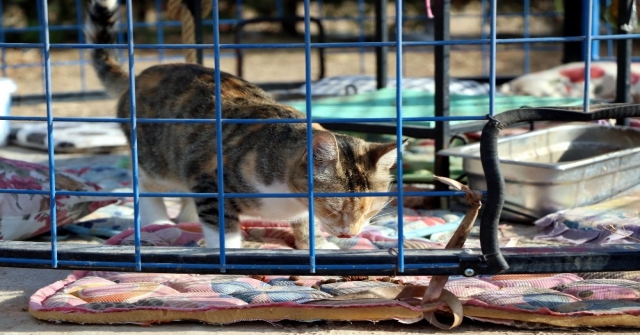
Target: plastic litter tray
x,y
557,168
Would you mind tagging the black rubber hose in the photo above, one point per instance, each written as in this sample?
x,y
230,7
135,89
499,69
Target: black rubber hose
x,y
491,254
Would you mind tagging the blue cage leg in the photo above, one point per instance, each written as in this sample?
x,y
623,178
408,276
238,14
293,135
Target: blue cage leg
x,y
624,53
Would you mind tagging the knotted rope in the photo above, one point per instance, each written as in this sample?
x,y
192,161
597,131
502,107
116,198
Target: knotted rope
x,y
435,297
179,11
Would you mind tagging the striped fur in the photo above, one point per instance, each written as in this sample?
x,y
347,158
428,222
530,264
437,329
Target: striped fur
x,y
257,158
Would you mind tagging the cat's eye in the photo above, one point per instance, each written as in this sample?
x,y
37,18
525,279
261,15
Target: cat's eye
x,y
335,206
333,211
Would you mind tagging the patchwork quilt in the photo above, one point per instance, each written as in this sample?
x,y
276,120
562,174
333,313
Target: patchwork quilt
x,y
529,301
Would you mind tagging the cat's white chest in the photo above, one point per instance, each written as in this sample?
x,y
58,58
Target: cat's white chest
x,y
277,208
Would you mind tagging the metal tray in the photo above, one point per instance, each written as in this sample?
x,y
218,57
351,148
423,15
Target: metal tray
x,y
557,168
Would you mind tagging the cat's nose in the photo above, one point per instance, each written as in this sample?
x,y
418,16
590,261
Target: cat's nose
x,y
350,230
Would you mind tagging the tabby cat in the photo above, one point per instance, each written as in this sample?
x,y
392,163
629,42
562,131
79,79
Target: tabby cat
x,y
258,158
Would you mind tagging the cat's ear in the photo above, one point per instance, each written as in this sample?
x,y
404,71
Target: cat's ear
x,y
325,150
385,155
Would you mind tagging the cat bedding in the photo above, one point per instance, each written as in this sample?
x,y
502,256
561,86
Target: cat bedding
x,y
529,301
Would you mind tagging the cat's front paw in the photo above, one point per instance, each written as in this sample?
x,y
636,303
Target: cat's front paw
x,y
157,222
320,245
212,238
328,246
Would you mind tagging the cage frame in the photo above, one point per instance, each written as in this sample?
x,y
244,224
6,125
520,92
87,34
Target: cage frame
x,y
245,261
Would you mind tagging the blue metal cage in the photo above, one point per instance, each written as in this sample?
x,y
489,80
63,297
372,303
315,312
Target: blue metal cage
x,y
158,28
137,258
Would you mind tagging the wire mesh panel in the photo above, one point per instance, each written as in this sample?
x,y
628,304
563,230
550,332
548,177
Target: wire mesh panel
x,y
398,260
160,27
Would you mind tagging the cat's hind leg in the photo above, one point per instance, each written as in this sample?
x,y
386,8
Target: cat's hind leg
x,y
208,210
209,220
188,212
152,209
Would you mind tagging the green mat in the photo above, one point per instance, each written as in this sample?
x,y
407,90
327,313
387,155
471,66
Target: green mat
x,y
416,103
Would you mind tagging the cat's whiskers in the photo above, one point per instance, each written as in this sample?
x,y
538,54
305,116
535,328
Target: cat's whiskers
x,y
382,211
388,202
379,215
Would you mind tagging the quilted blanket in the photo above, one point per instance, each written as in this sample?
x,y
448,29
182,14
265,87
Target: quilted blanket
x,y
530,301
613,221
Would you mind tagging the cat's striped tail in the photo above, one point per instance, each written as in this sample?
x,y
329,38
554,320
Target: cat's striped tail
x,y
99,29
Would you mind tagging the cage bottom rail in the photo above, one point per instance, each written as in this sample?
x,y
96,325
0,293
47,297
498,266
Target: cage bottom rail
x,y
328,262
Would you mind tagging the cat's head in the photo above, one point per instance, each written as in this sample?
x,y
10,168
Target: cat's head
x,y
344,163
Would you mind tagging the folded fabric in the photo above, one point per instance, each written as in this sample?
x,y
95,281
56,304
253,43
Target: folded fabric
x,y
355,84
568,81
613,221
69,136
27,215
258,234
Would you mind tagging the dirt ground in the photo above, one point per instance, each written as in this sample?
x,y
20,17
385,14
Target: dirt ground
x,y
274,66
259,67
284,65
